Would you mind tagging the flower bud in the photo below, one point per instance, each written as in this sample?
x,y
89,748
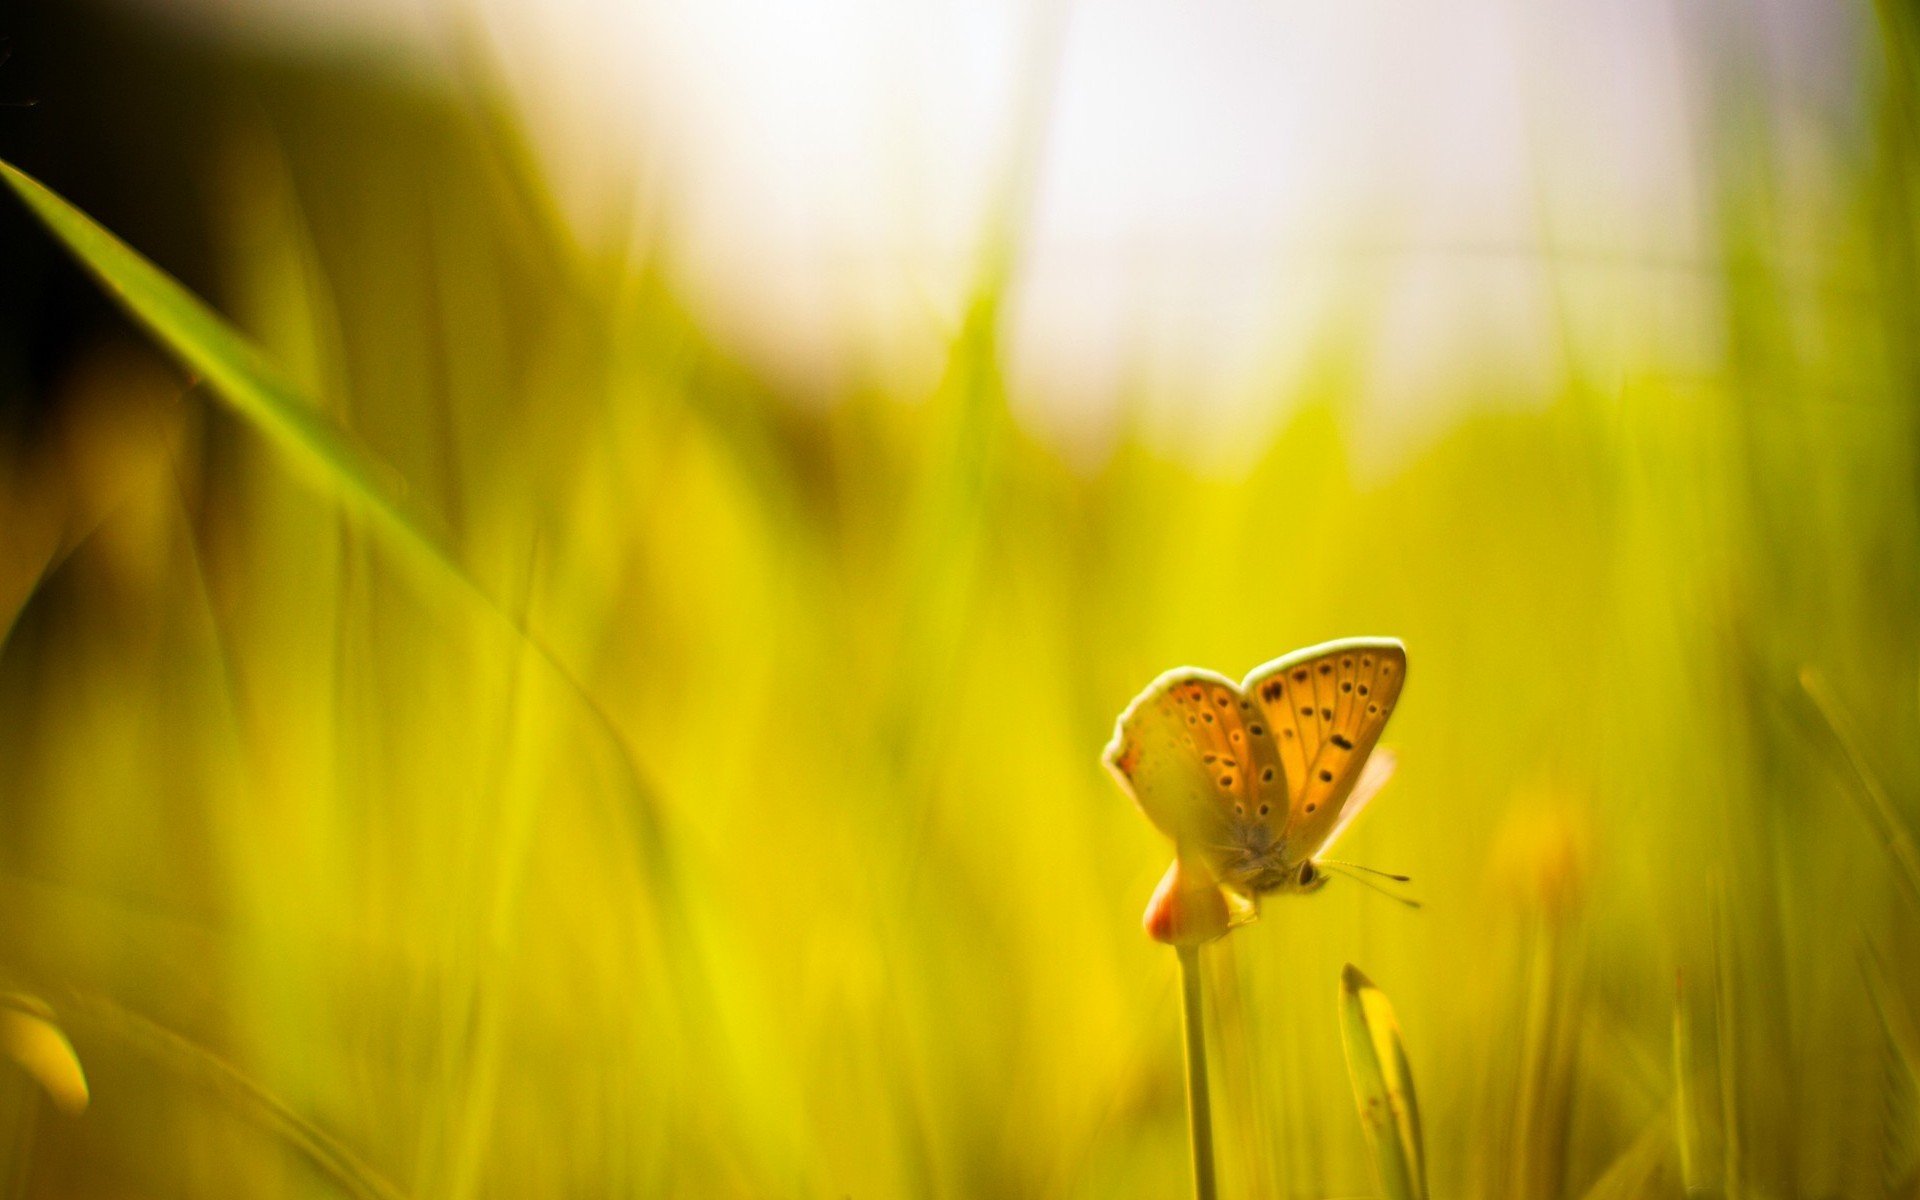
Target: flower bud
x,y
1187,908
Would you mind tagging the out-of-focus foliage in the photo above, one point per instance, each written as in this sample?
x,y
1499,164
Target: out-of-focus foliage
x,y
801,877
1383,1090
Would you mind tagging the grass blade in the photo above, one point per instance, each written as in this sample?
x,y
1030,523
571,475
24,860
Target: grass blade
x,y
1642,1169
1727,1046
1875,803
195,1063
1686,1119
30,1038
1382,1086
240,375
213,350
1900,1084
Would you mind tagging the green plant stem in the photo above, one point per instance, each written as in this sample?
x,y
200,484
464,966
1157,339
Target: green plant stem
x,y
1199,1102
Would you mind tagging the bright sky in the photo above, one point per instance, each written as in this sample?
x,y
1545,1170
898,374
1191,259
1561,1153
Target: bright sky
x,y
1218,187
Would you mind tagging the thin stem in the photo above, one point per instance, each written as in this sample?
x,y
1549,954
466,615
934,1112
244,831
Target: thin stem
x,y
1199,1102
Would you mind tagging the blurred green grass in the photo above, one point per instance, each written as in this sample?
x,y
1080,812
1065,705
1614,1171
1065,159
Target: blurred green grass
x,y
316,864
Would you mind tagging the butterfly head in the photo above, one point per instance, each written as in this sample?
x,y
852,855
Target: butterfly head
x,y
1263,870
1309,878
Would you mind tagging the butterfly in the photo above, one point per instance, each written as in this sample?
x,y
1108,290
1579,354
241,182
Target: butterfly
x,y
1255,781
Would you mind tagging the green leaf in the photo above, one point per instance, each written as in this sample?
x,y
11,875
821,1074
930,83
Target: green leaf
x,y
1382,1086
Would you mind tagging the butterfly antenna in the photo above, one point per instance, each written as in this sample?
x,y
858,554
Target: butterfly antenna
x,y
1409,901
1369,870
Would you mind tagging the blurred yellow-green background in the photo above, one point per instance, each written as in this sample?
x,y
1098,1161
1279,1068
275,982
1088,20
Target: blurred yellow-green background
x,y
858,403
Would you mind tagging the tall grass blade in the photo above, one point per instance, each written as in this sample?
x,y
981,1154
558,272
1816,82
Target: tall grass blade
x,y
240,375
1727,1047
1872,795
1642,1169
206,345
29,1036
1900,1084
1686,1118
190,1061
1382,1086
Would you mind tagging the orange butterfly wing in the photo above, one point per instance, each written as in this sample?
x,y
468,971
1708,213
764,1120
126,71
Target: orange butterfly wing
x,y
1197,756
1327,705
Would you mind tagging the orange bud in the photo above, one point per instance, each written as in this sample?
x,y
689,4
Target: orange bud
x,y
1187,908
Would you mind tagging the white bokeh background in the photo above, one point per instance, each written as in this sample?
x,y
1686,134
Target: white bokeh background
x,y
1209,200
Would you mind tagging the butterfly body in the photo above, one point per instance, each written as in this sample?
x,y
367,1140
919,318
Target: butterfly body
x,y
1254,780
1254,861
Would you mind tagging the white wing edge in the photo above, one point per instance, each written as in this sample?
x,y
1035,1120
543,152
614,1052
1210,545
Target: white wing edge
x,y
1373,776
